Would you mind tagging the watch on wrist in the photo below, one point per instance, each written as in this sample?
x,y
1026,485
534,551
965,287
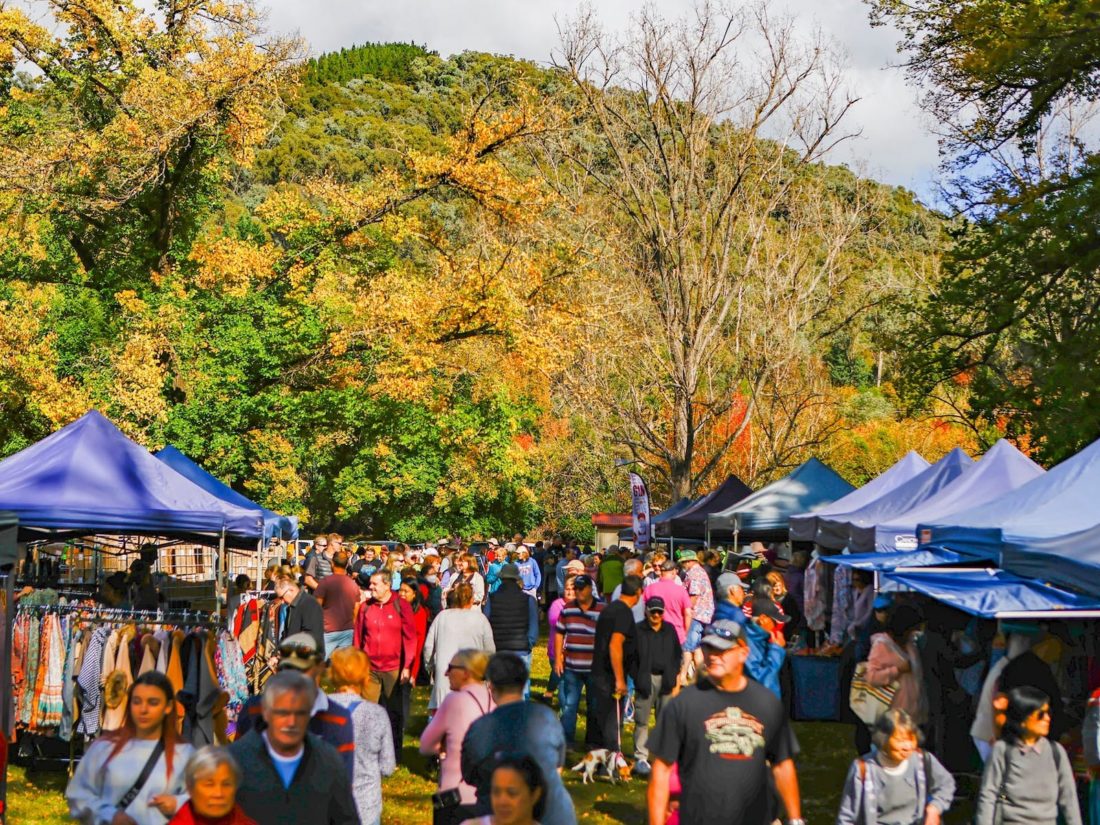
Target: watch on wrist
x,y
798,821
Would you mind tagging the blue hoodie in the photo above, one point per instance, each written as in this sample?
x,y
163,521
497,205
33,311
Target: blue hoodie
x,y
765,657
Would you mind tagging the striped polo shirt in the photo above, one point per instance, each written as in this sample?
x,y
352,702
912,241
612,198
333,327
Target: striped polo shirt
x,y
577,627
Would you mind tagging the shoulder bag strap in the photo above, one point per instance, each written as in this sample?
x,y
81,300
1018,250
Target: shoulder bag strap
x,y
143,777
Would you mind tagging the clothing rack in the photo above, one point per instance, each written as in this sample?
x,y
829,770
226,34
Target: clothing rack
x,y
188,618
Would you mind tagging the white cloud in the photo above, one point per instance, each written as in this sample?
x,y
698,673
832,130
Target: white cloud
x,y
895,145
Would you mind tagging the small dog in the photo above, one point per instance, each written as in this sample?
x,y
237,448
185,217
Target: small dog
x,y
615,763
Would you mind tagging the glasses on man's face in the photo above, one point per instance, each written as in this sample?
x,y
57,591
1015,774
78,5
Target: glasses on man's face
x,y
1042,713
321,546
454,667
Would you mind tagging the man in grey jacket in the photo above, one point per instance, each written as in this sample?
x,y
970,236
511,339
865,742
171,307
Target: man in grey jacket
x,y
289,776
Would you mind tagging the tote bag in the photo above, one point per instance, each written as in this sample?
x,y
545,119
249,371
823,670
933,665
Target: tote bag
x,y
868,701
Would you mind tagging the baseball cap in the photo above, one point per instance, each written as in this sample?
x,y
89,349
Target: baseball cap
x,y
575,566
509,571
762,606
299,651
583,581
654,603
722,634
728,580
494,543
883,601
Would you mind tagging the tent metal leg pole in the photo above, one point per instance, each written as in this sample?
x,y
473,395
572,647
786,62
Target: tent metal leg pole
x,y
219,576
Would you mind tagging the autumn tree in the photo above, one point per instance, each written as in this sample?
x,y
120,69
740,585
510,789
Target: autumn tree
x,y
1012,84
705,138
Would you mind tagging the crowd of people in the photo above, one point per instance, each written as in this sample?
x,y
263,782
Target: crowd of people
x,y
689,651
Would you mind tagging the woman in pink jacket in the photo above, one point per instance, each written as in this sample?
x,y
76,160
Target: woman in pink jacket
x,y
894,658
468,701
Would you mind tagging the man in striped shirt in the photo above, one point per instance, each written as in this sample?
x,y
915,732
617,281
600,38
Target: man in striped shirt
x,y
576,636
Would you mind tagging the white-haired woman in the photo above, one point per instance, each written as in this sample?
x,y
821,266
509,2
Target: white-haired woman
x,y
212,776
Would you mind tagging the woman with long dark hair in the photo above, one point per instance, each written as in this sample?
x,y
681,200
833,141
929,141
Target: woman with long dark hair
x,y
1028,779
518,792
134,775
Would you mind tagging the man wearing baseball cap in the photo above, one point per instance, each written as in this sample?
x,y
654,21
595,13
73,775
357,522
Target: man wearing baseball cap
x,y
330,720
575,642
658,667
725,733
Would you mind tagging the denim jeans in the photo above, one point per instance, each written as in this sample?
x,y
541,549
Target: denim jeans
x,y
569,697
338,639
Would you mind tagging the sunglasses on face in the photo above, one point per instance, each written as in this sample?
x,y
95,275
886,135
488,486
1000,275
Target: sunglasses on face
x,y
454,667
298,650
1042,713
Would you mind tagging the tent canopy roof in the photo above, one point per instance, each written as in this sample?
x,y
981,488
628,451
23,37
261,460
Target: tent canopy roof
x,y
766,513
925,557
804,526
856,529
691,522
274,524
994,594
1052,513
88,477
1002,469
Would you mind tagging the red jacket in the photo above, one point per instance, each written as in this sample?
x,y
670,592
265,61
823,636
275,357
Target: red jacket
x,y
387,634
187,816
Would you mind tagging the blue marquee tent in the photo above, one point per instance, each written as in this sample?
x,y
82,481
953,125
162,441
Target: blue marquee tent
x,y
804,526
285,527
691,522
90,478
765,515
856,529
1048,528
996,594
926,557
1002,469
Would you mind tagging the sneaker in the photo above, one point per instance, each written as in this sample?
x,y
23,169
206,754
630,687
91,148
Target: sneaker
x,y
642,768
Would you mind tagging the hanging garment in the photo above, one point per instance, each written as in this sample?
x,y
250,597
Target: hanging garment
x,y
164,651
73,656
46,713
843,603
815,594
34,628
20,629
150,651
89,682
175,671
118,681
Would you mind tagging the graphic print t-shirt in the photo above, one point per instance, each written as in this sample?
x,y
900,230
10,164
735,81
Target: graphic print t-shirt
x,y
723,742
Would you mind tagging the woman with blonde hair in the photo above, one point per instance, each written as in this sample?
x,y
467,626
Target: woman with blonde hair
x,y
468,701
458,627
349,672
134,775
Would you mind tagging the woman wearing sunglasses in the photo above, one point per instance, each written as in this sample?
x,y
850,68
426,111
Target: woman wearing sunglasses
x,y
1028,778
467,702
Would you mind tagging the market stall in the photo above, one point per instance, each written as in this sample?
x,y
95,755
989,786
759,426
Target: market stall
x,y
691,522
1002,469
765,515
805,526
855,530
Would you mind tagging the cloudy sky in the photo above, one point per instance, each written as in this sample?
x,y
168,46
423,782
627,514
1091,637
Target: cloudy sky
x,y
896,145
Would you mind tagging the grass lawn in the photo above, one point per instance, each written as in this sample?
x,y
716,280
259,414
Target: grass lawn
x,y
826,754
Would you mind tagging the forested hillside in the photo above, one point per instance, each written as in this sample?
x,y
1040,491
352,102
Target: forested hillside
x,y
380,290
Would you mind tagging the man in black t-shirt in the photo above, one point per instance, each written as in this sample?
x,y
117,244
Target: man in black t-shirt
x,y
614,659
725,734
